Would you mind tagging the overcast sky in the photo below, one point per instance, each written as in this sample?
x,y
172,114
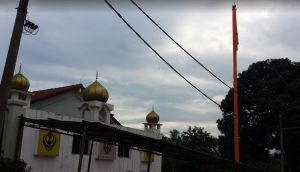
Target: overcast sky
x,y
77,39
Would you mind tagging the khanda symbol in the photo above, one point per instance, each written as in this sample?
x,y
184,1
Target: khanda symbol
x,y
49,141
107,148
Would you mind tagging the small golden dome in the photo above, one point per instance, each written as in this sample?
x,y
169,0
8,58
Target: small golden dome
x,y
152,117
95,91
20,82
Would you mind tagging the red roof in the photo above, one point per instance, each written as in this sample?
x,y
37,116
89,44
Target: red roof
x,y
45,94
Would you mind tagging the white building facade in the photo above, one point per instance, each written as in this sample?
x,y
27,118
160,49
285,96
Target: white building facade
x,y
48,151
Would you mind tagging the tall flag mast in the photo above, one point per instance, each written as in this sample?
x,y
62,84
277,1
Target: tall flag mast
x,y
235,85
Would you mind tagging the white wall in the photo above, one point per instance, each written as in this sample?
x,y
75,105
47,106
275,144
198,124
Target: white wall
x,y
68,162
11,130
61,104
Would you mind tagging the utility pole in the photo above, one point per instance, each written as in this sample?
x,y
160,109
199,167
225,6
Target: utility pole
x,y
10,62
281,143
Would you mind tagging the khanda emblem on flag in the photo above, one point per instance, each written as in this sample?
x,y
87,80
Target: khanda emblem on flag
x,y
107,148
49,141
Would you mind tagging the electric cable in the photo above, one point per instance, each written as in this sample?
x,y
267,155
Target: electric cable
x,y
120,16
183,49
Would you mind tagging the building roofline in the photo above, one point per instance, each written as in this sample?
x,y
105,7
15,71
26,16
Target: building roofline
x,y
112,117
48,93
41,95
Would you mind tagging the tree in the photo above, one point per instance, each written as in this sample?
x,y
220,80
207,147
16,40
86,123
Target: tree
x,y
16,165
195,138
266,89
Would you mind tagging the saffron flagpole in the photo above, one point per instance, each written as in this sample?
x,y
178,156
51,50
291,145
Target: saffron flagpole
x,y
235,85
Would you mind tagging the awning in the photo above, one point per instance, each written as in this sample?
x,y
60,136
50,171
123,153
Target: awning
x,y
106,133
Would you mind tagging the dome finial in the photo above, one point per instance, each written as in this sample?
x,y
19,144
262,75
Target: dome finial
x,y
20,68
95,91
19,81
152,117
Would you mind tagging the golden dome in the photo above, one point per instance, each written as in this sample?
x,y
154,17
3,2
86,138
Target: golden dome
x,y
20,82
95,91
152,117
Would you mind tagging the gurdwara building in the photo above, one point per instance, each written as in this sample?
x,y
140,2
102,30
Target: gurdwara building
x,y
48,150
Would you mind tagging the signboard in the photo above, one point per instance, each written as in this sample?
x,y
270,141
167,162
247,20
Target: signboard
x,y
145,157
107,151
48,143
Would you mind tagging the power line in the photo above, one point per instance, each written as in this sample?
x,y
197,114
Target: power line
x,y
183,49
159,54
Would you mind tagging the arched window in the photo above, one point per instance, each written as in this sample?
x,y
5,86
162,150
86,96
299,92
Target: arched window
x,y
102,115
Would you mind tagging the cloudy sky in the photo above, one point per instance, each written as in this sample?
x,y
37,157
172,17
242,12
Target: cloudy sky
x,y
77,39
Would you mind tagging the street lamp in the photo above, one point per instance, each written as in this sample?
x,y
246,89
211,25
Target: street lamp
x,y
30,28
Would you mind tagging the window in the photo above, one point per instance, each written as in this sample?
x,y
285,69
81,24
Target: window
x,y
22,96
76,145
102,115
123,150
86,113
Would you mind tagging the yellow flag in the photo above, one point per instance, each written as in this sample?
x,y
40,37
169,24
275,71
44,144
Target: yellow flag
x,y
48,143
146,157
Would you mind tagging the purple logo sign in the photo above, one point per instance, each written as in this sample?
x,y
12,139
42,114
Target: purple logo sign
x,y
107,148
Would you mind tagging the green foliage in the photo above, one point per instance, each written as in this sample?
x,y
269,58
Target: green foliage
x,y
195,138
265,89
9,165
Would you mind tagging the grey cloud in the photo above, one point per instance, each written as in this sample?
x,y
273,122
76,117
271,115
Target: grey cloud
x,y
287,28
173,4
72,45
